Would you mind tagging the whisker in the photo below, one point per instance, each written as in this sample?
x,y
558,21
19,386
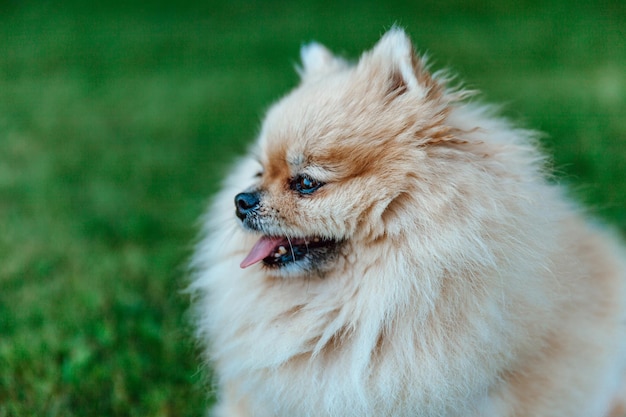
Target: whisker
x,y
293,255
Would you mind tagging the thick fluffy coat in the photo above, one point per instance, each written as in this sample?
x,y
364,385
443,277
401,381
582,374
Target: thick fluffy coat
x,y
411,259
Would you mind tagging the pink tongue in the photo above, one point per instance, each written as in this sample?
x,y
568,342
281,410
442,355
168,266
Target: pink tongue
x,y
262,249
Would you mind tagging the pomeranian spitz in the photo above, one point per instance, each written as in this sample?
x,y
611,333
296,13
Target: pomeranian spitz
x,y
389,248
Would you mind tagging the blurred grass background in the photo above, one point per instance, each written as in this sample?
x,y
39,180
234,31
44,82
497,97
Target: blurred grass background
x,y
117,121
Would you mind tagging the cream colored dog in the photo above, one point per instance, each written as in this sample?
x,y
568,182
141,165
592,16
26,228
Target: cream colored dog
x,y
394,250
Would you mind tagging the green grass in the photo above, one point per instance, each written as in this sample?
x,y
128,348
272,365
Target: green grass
x,y
117,121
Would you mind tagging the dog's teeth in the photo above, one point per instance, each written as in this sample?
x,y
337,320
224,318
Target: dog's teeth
x,y
281,251
317,239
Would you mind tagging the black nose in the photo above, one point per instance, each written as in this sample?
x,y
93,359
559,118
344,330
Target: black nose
x,y
246,203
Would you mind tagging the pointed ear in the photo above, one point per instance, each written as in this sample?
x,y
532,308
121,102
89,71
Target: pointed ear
x,y
318,61
395,56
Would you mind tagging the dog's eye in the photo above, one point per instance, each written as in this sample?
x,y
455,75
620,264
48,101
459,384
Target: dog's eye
x,y
305,185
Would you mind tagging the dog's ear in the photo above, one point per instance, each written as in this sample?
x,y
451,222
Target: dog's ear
x,y
318,61
394,58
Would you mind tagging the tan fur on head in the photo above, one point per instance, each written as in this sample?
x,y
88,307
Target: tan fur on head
x,y
410,260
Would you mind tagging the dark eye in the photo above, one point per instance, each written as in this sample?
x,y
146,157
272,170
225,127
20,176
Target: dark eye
x,y
305,185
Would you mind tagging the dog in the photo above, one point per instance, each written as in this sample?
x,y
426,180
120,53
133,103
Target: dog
x,y
390,247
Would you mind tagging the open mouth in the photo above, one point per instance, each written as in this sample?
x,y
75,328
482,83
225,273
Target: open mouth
x,y
278,251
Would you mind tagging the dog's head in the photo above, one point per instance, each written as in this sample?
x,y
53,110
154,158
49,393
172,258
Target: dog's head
x,y
337,151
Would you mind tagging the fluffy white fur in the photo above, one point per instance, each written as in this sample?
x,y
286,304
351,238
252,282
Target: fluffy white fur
x,y
465,284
